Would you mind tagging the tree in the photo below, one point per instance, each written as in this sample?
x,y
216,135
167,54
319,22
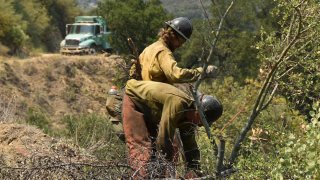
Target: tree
x,y
12,27
299,77
297,30
298,27
36,17
234,54
36,24
61,12
137,19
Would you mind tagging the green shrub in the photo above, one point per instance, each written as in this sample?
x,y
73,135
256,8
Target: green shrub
x,y
260,152
37,118
299,158
96,134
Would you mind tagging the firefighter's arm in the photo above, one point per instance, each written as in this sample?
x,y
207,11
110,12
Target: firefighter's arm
x,y
174,73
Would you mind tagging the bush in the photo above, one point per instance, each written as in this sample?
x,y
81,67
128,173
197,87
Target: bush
x,y
260,150
96,134
299,158
37,118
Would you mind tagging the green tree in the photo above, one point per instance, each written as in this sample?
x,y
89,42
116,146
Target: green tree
x,y
61,12
36,17
29,24
12,27
234,53
298,28
137,19
299,77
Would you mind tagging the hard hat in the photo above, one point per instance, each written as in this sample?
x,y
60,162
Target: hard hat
x,y
182,26
212,108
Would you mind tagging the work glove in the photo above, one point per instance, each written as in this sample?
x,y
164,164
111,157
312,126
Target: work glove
x,y
212,71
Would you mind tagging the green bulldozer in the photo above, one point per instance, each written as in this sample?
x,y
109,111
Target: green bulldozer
x,y
87,35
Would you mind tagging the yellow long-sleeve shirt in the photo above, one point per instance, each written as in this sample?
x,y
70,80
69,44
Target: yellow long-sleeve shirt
x,y
158,64
165,105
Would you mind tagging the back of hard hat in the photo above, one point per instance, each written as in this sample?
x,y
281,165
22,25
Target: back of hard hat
x,y
212,108
182,26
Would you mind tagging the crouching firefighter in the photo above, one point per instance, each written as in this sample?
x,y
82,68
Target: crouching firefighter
x,y
152,111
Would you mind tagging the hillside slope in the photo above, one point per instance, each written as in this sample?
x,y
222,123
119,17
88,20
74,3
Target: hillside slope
x,y
58,85
55,86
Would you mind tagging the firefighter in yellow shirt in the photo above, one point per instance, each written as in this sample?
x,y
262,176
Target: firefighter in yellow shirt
x,y
157,61
156,110
158,64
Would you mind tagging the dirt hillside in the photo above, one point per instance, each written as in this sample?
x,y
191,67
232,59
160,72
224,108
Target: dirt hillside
x,y
19,142
56,86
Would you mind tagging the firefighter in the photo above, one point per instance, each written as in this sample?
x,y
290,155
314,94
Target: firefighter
x,y
157,61
154,110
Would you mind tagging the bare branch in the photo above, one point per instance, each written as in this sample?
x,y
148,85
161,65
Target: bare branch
x,y
206,15
265,94
202,76
213,45
7,107
287,71
232,119
220,157
270,97
290,28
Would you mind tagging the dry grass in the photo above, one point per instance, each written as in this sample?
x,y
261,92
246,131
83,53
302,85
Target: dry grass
x,y
28,153
60,85
43,90
7,108
54,86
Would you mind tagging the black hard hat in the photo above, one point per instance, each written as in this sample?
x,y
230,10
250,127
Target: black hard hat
x,y
182,26
212,108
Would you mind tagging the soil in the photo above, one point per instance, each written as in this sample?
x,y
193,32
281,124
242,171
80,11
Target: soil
x,y
56,86
59,85
19,142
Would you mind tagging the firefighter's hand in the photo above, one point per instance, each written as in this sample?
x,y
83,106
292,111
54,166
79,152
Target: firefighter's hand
x,y
134,61
212,71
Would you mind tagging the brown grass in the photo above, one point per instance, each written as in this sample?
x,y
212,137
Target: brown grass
x,y
58,84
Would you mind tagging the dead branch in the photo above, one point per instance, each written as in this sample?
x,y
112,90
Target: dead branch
x,y
203,74
42,167
220,157
232,119
221,145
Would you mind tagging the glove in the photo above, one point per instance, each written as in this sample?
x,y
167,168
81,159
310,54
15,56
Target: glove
x,y
212,71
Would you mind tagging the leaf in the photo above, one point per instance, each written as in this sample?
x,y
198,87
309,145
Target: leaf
x,y
288,150
311,164
302,148
312,113
292,137
311,155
